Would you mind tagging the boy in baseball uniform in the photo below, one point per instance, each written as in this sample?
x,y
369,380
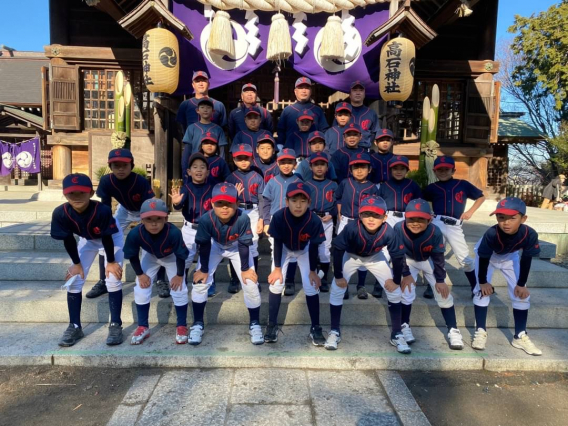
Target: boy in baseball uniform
x,y
499,249
93,223
424,248
360,245
334,135
225,232
252,133
342,157
264,162
297,233
316,142
449,197
162,246
383,142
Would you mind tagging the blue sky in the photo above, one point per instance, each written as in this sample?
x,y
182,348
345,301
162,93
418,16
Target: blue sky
x,y
26,25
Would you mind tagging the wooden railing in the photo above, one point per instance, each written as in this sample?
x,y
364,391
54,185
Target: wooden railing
x,y
530,194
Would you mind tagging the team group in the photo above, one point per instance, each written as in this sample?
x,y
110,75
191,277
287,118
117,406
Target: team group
x,y
294,193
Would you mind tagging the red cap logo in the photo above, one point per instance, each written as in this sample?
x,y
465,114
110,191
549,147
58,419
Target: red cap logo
x,y
398,157
117,152
153,205
351,125
223,189
208,134
300,185
442,159
502,203
371,201
344,104
385,131
241,147
358,155
417,206
75,180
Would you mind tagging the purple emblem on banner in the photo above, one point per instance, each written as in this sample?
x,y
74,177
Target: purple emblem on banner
x,y
361,63
28,156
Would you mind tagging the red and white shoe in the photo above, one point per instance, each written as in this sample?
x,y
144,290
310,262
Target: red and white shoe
x,y
181,335
141,334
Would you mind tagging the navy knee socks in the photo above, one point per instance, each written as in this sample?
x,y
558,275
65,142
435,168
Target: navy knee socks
x,y
198,311
361,275
254,316
405,313
274,301
74,301
335,313
115,306
450,317
520,317
314,309
395,310
143,312
102,271
291,272
181,312
480,317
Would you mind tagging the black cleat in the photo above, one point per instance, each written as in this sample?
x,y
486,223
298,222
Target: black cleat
x,y
234,287
115,336
271,334
377,291
316,335
290,289
71,336
324,288
346,294
362,293
98,290
428,293
163,289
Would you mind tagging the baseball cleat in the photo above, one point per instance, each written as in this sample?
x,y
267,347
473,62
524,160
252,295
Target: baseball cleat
x,y
316,335
234,287
455,338
333,339
115,336
290,289
212,291
271,334
181,335
71,336
98,290
362,293
140,334
479,339
163,289
324,288
346,294
524,343
428,293
400,344
256,336
195,334
377,291
407,333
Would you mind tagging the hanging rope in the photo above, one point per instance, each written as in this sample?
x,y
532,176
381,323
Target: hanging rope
x,y
291,6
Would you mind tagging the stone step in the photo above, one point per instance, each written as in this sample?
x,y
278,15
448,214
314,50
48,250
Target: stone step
x,y
45,302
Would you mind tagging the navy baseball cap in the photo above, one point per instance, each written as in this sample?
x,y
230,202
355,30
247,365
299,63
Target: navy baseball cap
x,y
303,80
286,153
316,135
197,74
266,138
360,158
306,115
357,83
352,127
198,156
318,156
77,182
153,207
418,208
243,149
343,106
209,137
225,192
252,110
399,160
444,161
122,155
511,206
384,133
248,86
205,101
298,188
373,204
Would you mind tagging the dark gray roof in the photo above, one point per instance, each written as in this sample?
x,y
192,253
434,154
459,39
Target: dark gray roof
x,y
20,80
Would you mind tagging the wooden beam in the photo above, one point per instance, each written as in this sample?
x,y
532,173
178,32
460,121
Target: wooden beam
x,y
110,8
93,53
449,68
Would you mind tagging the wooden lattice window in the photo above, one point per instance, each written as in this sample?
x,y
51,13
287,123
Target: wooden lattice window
x,y
98,100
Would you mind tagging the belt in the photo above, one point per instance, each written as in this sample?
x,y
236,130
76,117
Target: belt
x,y
395,213
192,225
321,214
449,220
248,206
348,218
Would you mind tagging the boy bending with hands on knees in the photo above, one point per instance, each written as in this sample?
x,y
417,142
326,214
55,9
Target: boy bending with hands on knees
x,y
499,249
225,232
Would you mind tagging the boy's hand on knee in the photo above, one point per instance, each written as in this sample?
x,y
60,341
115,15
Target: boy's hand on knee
x,y
390,285
487,289
266,230
443,290
521,292
275,275
326,218
315,279
144,281
341,282
249,274
200,277
176,283
75,270
115,269
260,226
407,283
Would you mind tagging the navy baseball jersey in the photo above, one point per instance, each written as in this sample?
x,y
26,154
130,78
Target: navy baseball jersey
x,y
340,160
287,123
369,122
218,169
252,182
381,171
305,172
496,241
130,192
355,239
267,170
296,232
236,230
237,120
420,247
248,137
350,193
323,196
334,138
449,198
167,242
298,141
94,223
187,113
275,194
398,193
196,200
192,139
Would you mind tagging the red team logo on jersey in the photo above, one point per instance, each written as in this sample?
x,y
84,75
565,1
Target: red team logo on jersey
x,y
304,237
365,124
267,178
428,249
233,237
253,189
459,197
75,180
167,250
329,196
401,246
363,196
136,197
96,230
407,198
215,173
207,204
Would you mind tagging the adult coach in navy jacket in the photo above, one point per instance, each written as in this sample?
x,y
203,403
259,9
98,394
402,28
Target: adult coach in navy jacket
x,y
237,116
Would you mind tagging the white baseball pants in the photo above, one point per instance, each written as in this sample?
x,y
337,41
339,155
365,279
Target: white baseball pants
x,y
454,236
303,259
428,273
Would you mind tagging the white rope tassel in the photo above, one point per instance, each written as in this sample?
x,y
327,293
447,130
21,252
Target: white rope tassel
x,y
221,39
279,41
332,45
